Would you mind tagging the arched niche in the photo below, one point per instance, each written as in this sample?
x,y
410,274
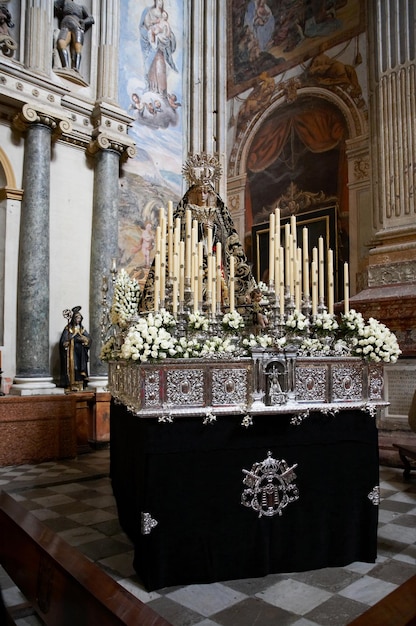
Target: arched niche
x,y
351,193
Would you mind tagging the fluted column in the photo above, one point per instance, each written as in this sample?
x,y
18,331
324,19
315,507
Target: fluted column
x,y
107,73
206,86
38,35
104,245
32,341
391,292
393,122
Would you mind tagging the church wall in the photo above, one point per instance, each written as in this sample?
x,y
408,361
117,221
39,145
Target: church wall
x,y
70,239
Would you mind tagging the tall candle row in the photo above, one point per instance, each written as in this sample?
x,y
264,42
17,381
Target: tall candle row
x,y
292,272
183,261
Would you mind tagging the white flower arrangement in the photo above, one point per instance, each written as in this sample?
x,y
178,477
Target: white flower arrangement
x,y
198,321
254,341
297,322
187,348
375,342
217,346
324,323
125,299
149,340
232,320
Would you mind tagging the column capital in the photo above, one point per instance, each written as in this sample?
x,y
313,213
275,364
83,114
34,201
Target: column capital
x,y
104,141
30,114
111,126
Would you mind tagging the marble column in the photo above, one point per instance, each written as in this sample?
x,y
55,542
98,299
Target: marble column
x,y
108,151
32,340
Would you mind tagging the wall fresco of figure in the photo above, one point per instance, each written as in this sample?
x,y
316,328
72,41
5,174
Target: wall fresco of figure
x,y
150,89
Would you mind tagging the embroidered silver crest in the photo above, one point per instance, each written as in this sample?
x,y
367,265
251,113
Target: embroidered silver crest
x,y
148,523
374,495
270,486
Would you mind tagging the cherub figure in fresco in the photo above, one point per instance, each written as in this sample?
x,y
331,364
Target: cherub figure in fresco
x,y
328,71
257,100
147,242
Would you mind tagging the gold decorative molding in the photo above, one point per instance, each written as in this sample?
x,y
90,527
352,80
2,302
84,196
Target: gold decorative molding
x,y
7,193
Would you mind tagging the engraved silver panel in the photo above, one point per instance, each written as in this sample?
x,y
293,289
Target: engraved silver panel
x,y
229,386
152,389
347,382
311,383
375,382
185,387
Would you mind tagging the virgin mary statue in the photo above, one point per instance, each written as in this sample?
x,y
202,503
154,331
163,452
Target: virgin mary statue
x,y
208,209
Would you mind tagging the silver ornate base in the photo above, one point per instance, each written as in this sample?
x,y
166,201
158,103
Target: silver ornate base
x,y
269,383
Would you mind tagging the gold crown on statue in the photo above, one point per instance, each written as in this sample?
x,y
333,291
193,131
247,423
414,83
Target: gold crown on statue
x,y
202,169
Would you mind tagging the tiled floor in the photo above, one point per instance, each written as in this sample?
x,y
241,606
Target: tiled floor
x,y
74,498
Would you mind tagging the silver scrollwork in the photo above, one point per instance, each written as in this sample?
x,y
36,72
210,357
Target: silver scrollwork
x,y
148,523
374,495
270,486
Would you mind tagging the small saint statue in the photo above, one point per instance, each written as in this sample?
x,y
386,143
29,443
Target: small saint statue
x,y
74,348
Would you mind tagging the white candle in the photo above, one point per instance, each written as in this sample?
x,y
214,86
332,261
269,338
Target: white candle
x,y
158,237
209,265
200,270
175,284
272,223
170,238
314,267
188,227
287,255
177,235
293,230
305,243
277,227
157,281
330,281
195,281
214,285
346,289
282,283
292,266
163,268
232,286
218,258
321,290
181,271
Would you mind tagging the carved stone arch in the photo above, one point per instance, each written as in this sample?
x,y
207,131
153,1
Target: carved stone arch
x,y
355,114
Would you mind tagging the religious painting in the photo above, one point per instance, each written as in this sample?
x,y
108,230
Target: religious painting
x,y
150,90
274,35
